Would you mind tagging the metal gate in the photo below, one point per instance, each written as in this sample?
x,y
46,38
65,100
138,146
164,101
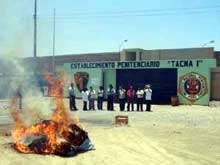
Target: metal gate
x,y
163,82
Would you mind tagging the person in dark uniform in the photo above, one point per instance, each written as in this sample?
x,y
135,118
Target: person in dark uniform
x,y
100,97
19,96
72,98
122,97
110,93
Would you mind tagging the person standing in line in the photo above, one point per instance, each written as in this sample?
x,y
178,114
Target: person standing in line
x,y
140,96
85,95
148,97
72,98
100,97
131,98
110,93
19,96
91,98
121,96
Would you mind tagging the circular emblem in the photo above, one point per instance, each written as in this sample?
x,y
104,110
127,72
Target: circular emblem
x,y
193,86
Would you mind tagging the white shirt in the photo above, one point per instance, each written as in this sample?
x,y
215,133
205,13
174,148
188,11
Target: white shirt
x,y
92,94
85,95
71,91
121,93
140,93
148,94
111,92
100,93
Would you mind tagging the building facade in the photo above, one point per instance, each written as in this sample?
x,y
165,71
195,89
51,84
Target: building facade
x,y
193,74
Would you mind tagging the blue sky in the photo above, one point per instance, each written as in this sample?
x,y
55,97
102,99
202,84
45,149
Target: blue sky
x,y
85,26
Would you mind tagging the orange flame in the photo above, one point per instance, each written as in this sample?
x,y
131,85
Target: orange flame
x,y
60,114
56,127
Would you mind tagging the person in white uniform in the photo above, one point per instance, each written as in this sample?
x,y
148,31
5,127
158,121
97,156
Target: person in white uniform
x,y
121,96
148,97
140,97
85,95
91,98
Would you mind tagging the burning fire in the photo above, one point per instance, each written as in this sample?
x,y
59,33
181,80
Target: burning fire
x,y
59,135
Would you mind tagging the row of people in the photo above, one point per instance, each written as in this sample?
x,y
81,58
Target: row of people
x,y
88,96
141,96
129,96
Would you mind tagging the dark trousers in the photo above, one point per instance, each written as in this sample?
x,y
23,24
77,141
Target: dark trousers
x,y
130,103
72,103
148,105
122,104
92,104
100,103
140,104
85,105
110,105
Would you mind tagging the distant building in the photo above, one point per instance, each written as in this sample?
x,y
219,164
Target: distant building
x,y
191,73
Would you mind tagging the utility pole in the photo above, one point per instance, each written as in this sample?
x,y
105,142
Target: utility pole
x,y
35,30
54,38
34,61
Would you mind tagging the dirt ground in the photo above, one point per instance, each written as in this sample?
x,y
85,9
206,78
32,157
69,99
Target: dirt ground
x,y
168,135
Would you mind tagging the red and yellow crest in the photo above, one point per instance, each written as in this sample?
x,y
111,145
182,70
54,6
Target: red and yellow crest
x,y
193,86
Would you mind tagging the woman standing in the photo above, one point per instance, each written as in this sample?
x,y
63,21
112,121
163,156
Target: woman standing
x,y
100,97
131,98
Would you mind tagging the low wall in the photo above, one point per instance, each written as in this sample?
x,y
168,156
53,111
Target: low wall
x,y
215,83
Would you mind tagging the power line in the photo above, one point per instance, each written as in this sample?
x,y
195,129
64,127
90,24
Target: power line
x,y
133,15
138,12
148,10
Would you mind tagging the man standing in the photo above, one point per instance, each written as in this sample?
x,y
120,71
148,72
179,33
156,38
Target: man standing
x,y
130,98
100,98
72,98
85,95
19,96
140,96
121,96
111,93
148,97
91,98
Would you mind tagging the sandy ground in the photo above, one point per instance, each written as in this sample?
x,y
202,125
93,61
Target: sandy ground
x,y
168,135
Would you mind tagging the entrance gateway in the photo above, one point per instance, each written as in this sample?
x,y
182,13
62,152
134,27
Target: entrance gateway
x,y
189,79
163,82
